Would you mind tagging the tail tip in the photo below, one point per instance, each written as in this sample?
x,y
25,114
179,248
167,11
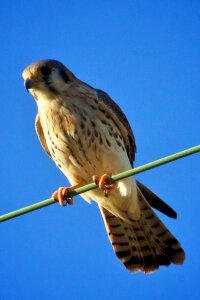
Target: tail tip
x,y
179,258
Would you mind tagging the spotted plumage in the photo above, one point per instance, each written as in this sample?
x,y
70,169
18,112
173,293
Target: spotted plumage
x,y
85,132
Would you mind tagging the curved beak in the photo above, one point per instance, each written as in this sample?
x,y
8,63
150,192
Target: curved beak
x,y
28,83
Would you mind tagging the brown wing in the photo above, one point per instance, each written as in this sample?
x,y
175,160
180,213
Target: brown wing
x,y
156,202
40,134
125,128
122,123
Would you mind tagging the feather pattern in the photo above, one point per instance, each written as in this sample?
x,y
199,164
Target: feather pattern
x,y
86,133
145,244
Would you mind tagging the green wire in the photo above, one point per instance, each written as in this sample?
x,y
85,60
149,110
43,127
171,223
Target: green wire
x,y
92,186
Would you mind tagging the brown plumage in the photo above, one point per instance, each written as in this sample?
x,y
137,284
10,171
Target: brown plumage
x,y
145,244
85,132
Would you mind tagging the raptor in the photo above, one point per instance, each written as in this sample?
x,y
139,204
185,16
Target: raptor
x,y
88,136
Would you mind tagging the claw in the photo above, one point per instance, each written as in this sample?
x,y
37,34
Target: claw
x,y
61,195
102,184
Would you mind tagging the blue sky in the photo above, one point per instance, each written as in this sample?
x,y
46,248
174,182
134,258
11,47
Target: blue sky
x,y
145,54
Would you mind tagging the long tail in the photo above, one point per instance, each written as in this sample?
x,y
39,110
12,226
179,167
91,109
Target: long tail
x,y
145,244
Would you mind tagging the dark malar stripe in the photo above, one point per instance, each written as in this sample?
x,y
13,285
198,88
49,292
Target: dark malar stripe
x,y
48,83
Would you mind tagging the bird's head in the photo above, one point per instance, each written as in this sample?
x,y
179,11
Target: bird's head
x,y
47,76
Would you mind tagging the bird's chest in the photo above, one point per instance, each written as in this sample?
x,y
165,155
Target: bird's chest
x,y
72,137
80,139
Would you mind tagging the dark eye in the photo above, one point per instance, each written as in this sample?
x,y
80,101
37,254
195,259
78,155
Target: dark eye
x,y
45,71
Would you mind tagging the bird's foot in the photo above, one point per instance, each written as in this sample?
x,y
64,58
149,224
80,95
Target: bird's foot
x,y
102,183
61,195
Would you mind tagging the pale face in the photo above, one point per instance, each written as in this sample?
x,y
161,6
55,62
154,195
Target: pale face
x,y
47,77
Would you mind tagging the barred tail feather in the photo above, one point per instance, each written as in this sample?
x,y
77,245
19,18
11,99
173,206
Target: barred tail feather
x,y
145,244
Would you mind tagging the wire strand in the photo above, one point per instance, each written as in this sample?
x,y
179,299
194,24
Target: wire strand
x,y
92,186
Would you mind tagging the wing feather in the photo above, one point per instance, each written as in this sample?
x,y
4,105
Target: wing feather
x,y
40,134
121,122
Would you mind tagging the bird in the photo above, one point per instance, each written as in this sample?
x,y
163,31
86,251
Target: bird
x,y
88,137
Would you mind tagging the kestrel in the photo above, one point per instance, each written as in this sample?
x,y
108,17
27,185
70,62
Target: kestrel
x,y
86,133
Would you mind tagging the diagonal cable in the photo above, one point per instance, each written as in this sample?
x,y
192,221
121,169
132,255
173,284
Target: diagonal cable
x,y
92,186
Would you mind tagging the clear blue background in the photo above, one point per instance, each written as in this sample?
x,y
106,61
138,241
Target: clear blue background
x,y
145,54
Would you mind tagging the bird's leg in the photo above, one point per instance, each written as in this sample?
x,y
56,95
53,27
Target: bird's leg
x,y
61,195
102,184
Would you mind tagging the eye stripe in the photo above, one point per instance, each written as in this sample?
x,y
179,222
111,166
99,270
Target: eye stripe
x,y
64,76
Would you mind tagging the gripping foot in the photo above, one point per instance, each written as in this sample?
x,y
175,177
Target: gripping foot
x,y
102,184
61,195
